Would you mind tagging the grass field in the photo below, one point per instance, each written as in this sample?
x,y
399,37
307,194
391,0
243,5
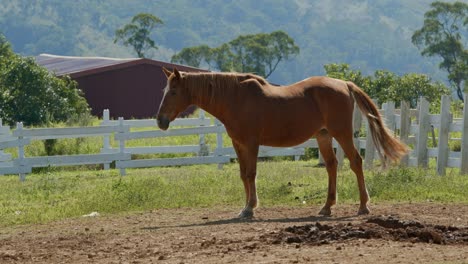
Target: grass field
x,y
56,195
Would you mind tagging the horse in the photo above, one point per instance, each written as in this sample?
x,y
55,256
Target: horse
x,y
255,113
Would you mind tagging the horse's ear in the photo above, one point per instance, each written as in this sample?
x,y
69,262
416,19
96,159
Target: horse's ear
x,y
177,74
166,72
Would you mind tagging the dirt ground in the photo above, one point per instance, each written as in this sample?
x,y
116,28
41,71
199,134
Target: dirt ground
x,y
403,233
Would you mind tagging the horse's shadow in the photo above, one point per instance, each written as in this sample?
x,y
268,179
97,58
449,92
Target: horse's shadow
x,y
309,219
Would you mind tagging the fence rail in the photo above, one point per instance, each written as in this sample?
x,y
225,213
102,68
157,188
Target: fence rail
x,y
412,126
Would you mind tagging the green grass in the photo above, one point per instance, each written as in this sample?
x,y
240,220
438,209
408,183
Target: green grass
x,y
59,195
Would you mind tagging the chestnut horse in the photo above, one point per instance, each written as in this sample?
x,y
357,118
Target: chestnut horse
x,y
256,113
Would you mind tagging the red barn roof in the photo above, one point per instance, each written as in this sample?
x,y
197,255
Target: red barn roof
x,y
81,66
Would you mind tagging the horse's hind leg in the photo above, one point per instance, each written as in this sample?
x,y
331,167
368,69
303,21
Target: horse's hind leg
x,y
326,149
242,166
355,161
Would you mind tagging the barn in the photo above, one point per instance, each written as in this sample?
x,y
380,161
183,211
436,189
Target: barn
x,y
129,88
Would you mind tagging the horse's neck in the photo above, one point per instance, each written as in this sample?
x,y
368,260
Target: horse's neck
x,y
213,102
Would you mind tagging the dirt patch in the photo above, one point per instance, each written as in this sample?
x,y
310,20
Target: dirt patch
x,y
381,227
404,233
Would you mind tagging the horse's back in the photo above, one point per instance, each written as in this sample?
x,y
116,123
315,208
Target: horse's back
x,y
324,85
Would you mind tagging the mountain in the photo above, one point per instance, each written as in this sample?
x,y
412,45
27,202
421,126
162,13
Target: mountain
x,y
367,34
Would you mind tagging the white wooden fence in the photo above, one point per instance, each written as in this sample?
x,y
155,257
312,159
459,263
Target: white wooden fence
x,y
413,126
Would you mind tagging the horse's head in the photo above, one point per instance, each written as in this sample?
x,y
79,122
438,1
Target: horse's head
x,y
175,99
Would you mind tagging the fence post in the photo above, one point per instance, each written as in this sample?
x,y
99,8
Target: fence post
x,y
405,125
339,155
423,129
2,134
297,157
389,119
121,144
21,156
321,160
370,147
442,147
219,142
464,142
389,115
106,139
357,123
203,151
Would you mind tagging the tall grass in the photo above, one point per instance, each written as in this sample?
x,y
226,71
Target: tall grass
x,y
58,195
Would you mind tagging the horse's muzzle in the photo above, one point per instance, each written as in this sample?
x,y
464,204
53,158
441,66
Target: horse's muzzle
x,y
163,122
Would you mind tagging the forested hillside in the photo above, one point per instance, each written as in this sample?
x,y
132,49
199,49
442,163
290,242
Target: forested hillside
x,y
369,35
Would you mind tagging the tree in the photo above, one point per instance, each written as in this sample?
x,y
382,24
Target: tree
x,y
445,34
222,58
380,85
261,53
137,33
280,46
258,53
29,93
386,86
342,71
410,87
193,56
5,47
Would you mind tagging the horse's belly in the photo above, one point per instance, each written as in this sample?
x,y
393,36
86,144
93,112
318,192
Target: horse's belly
x,y
286,137
288,131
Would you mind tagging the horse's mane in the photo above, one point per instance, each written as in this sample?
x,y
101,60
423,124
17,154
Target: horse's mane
x,y
210,85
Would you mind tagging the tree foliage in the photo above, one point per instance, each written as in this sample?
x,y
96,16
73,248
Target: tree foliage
x,y
258,53
386,86
29,93
445,34
137,34
5,47
344,72
410,87
194,56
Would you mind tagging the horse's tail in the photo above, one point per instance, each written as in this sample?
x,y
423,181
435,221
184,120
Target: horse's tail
x,y
387,146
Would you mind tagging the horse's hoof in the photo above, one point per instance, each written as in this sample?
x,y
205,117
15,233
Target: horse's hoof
x,y
246,214
363,211
325,211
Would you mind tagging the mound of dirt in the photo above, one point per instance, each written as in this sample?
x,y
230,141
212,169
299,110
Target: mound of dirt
x,y
379,227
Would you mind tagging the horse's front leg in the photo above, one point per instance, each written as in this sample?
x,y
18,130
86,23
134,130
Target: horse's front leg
x,y
247,156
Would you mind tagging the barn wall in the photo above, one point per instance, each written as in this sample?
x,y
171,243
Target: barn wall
x,y
133,92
